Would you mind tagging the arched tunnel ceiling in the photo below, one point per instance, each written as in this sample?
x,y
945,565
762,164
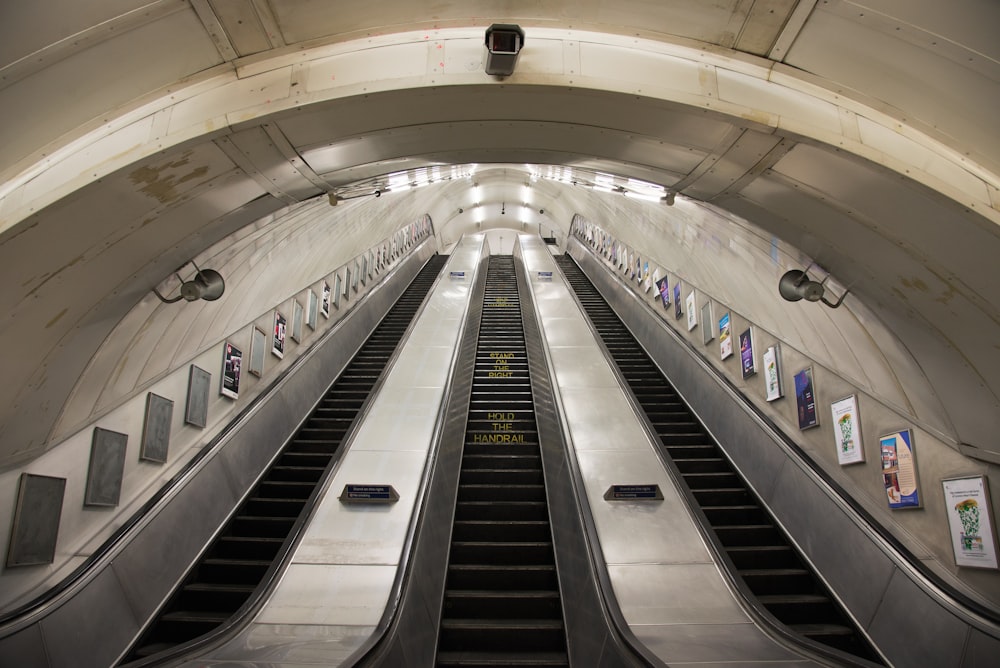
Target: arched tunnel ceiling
x,y
192,119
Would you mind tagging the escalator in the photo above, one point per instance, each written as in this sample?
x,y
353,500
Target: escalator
x,y
760,552
501,602
236,562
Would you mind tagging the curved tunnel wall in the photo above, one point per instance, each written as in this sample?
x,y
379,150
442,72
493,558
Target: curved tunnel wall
x,y
270,265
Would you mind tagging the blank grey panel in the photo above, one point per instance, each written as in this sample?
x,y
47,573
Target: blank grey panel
x,y
36,520
258,350
196,412
107,465
156,428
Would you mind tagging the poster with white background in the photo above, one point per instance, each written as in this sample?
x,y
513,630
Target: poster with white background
x,y
973,539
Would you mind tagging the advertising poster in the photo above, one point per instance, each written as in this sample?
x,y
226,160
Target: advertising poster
x,y
973,535
725,337
847,431
707,332
746,354
278,341
805,400
231,368
644,276
772,373
324,307
678,309
899,470
692,313
661,285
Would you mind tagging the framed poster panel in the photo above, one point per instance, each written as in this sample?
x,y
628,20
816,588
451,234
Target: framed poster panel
x,y
707,331
297,317
355,275
156,429
364,270
337,292
196,410
35,528
805,399
847,430
772,374
970,521
371,264
747,361
324,304
725,337
692,312
678,309
232,367
278,335
312,310
258,350
664,290
899,470
107,467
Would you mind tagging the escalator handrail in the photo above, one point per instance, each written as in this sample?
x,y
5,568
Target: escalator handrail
x,y
12,620
948,595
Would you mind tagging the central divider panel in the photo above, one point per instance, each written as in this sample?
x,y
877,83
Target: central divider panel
x,y
501,603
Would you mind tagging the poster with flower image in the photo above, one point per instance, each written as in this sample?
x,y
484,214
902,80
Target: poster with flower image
x,y
973,534
847,431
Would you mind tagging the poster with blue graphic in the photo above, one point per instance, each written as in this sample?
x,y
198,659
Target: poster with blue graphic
x,y
805,400
899,470
746,354
661,285
725,337
678,311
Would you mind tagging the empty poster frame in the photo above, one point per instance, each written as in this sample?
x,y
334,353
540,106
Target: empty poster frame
x,y
258,350
297,316
970,521
708,328
156,429
312,310
196,409
106,469
337,292
847,430
35,528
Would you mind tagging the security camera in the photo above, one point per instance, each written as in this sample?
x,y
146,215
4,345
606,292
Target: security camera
x,y
795,285
461,210
503,45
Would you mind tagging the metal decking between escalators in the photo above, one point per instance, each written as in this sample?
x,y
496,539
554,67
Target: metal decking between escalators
x,y
759,552
501,602
238,560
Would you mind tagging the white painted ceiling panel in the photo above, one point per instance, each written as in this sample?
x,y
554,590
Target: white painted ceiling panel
x,y
101,79
398,61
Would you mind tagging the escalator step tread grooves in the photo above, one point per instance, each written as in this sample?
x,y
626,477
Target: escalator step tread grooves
x,y
233,566
759,549
502,605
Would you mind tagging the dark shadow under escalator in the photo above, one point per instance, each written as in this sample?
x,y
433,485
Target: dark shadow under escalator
x,y
758,550
236,562
501,602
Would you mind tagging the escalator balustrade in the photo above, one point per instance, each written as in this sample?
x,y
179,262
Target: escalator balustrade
x,y
501,604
